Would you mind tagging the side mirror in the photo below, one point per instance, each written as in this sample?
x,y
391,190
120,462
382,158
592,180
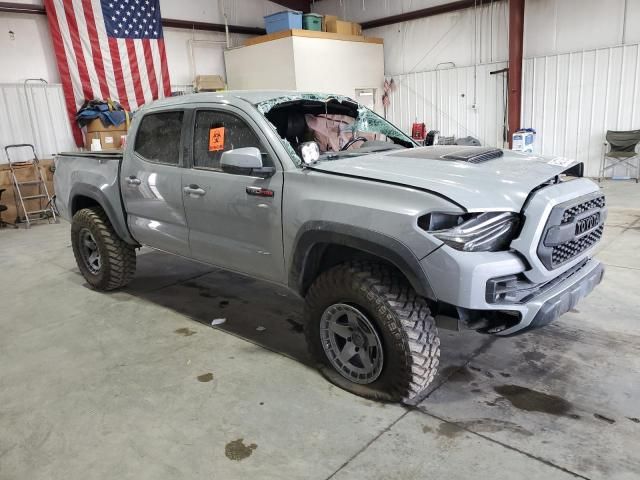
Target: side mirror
x,y
245,161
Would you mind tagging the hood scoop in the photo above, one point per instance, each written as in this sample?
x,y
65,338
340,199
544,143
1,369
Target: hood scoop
x,y
474,155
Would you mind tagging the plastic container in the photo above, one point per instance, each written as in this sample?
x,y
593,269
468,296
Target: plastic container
x,y
312,21
287,20
523,139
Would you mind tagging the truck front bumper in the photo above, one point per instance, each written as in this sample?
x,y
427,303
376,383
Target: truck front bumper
x,y
460,281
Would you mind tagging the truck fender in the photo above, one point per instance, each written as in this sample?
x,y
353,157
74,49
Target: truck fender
x,y
315,233
117,221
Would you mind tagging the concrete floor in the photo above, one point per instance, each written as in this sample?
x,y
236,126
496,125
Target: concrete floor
x,y
137,384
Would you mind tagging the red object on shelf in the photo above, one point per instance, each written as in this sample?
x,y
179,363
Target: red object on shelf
x,y
418,131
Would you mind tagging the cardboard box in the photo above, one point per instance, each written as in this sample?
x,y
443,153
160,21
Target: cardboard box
x,y
339,26
356,28
24,173
96,125
110,140
328,19
208,83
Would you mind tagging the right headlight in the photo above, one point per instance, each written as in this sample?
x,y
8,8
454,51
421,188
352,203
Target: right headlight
x,y
475,232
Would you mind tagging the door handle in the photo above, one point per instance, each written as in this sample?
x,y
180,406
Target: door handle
x,y
133,181
194,190
259,191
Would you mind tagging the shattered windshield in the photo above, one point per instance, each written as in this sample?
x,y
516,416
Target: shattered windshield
x,y
338,125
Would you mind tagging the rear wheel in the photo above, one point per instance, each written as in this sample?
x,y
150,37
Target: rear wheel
x,y
370,333
105,260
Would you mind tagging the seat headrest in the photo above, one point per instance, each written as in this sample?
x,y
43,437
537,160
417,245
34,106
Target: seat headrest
x,y
296,125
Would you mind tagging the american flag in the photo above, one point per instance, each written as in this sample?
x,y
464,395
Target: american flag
x,y
109,49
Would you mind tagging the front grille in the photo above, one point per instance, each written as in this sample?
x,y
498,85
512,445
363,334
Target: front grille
x,y
572,212
566,251
563,238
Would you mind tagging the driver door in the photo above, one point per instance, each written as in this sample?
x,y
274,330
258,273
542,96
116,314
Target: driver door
x,y
231,224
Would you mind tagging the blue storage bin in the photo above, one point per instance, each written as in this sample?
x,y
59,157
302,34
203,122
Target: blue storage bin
x,y
287,20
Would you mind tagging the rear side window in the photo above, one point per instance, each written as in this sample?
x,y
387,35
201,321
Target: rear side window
x,y
216,132
158,137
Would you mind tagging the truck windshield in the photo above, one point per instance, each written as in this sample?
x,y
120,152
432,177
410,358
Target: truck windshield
x,y
340,126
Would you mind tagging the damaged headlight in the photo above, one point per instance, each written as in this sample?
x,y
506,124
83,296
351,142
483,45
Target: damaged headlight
x,y
475,232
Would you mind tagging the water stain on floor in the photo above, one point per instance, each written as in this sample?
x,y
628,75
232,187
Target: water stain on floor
x,y
205,377
449,430
236,450
185,332
533,401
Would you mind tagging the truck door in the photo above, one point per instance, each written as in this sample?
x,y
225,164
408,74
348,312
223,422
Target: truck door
x,y
233,223
151,183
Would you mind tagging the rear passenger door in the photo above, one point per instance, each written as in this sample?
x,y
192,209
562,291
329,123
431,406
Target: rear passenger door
x,y
151,182
229,225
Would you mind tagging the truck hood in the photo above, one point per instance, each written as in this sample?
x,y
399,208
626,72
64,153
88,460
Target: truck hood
x,y
476,178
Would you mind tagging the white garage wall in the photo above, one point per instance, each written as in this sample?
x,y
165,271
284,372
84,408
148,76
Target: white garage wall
x,y
580,74
573,99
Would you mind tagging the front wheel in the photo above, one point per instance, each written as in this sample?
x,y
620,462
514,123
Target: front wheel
x,y
105,260
371,333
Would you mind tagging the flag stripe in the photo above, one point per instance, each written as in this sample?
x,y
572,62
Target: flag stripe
x,y
135,72
85,49
142,69
157,62
105,52
127,73
123,98
74,74
63,67
96,51
165,68
151,74
77,50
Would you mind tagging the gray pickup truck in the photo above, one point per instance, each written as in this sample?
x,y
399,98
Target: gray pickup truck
x,y
385,240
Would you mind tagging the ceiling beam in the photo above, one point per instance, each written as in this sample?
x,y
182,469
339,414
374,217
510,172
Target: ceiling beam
x,y
426,12
301,5
12,7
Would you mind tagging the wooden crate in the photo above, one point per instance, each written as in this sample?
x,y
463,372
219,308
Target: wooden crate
x,y
24,173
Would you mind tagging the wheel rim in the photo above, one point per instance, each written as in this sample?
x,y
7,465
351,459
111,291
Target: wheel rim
x,y
89,251
351,343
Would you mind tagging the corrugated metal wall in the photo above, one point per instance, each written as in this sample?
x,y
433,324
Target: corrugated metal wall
x,y
444,99
574,98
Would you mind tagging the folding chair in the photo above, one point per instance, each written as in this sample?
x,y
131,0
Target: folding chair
x,y
622,150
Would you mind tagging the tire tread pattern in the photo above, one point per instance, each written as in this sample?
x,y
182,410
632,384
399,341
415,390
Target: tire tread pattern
x,y
406,316
120,261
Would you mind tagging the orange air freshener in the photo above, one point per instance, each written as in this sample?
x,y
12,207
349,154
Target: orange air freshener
x,y
216,139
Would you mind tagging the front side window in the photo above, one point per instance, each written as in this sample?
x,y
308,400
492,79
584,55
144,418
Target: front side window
x,y
158,137
217,132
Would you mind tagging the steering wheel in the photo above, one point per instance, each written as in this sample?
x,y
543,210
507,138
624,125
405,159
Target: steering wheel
x,y
352,141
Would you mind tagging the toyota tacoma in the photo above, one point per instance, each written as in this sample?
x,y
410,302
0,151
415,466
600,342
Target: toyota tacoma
x,y
384,239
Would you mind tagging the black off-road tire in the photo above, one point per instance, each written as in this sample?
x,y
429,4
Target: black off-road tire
x,y
403,321
118,258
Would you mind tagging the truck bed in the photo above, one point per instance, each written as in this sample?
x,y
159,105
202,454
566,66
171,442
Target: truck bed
x,y
91,178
